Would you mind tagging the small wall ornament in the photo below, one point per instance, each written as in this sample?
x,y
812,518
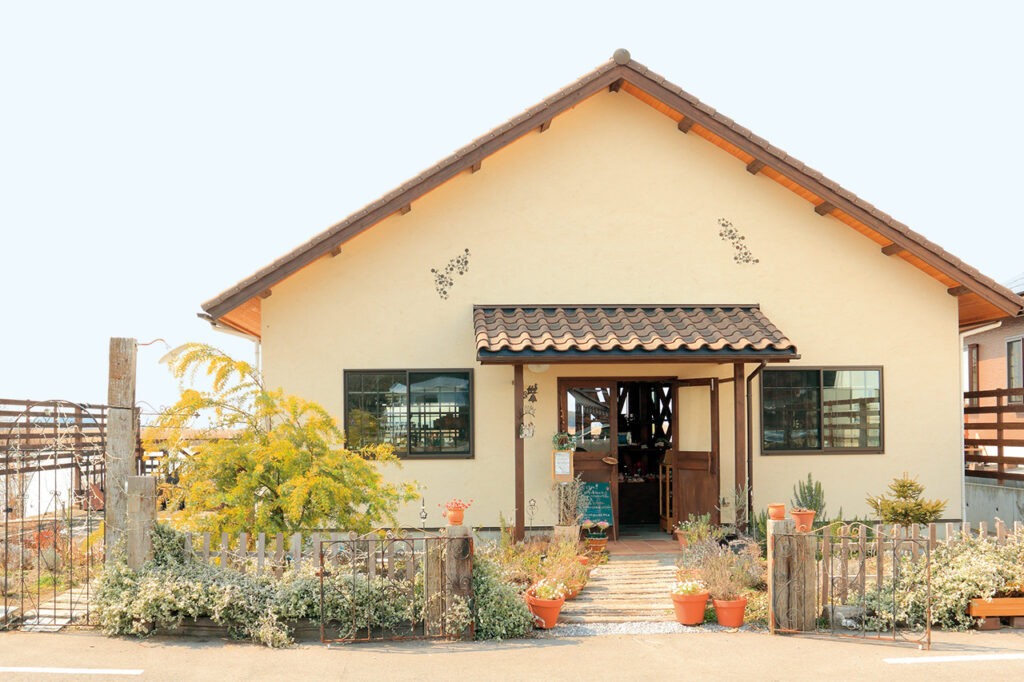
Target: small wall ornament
x,y
444,278
729,233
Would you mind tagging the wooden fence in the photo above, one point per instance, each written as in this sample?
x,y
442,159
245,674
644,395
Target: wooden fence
x,y
994,419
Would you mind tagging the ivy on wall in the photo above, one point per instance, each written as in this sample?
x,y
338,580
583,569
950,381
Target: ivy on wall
x,y
444,278
741,253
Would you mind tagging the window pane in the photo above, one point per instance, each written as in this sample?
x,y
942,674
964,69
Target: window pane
x,y
589,418
852,402
376,409
1015,368
439,412
791,410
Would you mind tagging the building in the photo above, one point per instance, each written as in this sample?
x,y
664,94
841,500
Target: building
x,y
703,313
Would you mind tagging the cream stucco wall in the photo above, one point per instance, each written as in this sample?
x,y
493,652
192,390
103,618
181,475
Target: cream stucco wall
x,y
614,205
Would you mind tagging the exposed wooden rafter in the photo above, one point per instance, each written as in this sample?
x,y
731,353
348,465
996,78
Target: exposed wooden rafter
x,y
544,126
405,209
476,166
615,85
755,166
824,208
335,251
893,249
265,293
958,291
685,123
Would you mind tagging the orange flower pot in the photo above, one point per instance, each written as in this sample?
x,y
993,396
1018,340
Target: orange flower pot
x,y
597,544
804,520
583,559
455,516
545,611
730,613
681,538
690,607
777,512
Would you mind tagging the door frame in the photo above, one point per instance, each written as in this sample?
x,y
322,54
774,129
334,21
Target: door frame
x,y
713,456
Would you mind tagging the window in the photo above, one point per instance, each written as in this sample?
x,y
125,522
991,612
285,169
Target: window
x,y
420,413
821,410
972,372
1015,368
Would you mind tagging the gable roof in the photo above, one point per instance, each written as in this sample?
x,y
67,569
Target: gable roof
x,y
980,297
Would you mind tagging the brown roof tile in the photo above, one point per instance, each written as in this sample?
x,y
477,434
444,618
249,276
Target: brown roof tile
x,y
627,328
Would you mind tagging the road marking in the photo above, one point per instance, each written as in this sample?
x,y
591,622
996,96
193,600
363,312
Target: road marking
x,y
957,659
72,671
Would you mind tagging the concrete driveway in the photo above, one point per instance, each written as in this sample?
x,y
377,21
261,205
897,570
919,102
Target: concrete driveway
x,y
730,656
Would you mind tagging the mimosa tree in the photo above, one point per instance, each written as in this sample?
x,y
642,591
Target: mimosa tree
x,y
284,468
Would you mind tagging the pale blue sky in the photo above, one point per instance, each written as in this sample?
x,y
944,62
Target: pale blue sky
x,y
151,155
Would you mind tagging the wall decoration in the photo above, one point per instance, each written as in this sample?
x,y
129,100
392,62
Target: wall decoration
x,y
529,410
729,233
444,279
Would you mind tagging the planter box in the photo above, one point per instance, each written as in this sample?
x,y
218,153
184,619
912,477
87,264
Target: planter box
x,y
302,631
1000,606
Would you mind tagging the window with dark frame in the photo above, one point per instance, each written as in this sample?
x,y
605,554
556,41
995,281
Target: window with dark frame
x,y
972,372
422,413
821,410
1015,368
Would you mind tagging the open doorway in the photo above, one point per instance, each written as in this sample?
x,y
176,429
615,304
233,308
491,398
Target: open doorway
x,y
645,425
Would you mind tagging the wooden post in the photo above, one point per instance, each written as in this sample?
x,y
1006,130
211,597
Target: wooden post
x,y
141,513
778,574
433,584
120,441
459,568
520,473
740,429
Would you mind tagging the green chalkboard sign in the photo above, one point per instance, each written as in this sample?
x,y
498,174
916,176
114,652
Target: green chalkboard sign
x,y
597,502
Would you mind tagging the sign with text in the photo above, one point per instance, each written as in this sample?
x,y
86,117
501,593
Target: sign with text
x,y
597,502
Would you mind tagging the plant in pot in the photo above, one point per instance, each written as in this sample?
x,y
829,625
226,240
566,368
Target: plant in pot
x,y
690,599
545,599
454,511
804,518
566,499
722,573
597,535
696,529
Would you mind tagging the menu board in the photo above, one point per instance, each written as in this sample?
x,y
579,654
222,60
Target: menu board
x,y
597,502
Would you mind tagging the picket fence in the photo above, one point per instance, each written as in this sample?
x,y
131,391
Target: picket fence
x,y
260,553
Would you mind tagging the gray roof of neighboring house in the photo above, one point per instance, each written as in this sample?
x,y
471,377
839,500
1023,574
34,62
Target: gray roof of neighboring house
x,y
1017,284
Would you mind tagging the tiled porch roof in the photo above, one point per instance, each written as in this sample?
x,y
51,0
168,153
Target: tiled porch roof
x,y
584,332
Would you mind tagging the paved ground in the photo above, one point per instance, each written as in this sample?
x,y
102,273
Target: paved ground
x,y
728,656
628,589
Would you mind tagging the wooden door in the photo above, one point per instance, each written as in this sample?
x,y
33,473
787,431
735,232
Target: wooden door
x,y
584,404
695,470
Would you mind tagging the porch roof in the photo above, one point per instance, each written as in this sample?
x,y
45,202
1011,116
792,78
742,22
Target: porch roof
x,y
626,333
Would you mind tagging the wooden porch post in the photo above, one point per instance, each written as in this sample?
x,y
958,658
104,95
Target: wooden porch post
x,y
520,477
740,425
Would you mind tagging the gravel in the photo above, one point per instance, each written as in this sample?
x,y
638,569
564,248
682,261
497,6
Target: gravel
x,y
640,628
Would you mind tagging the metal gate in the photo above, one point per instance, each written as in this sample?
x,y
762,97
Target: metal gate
x,y
396,585
852,580
51,496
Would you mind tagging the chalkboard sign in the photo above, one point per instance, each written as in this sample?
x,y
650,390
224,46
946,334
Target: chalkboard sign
x,y
597,502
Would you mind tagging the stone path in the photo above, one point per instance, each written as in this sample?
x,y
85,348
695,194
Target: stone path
x,y
628,589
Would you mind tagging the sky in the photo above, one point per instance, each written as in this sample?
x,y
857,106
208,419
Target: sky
x,y
153,154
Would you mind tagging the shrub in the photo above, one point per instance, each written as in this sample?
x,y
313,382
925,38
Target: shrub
x,y
500,612
697,528
809,495
728,570
905,506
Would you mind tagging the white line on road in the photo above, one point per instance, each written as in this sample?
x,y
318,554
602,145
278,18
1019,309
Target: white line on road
x,y
72,671
956,659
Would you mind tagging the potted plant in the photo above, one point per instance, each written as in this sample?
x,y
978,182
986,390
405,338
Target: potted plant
x,y
690,599
566,500
454,511
597,535
777,511
695,529
804,518
545,599
723,572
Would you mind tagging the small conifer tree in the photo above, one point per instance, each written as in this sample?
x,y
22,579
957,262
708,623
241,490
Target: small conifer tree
x,y
905,506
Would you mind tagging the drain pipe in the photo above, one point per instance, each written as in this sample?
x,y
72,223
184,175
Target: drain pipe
x,y
750,446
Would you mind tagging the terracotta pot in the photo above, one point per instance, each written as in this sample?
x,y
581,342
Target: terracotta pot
x,y
690,607
597,544
455,516
572,593
730,613
804,520
583,559
777,512
545,611
681,538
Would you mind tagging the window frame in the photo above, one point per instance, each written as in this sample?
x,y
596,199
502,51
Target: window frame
x,y
407,453
879,450
1013,399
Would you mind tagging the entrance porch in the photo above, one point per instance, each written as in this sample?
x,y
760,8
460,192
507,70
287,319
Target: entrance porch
x,y
655,398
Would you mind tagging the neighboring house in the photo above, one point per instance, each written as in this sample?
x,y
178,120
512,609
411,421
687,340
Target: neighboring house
x,y
994,359
622,262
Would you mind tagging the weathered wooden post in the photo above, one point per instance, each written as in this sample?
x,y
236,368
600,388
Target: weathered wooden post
x,y
792,588
778,574
458,567
141,510
119,459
